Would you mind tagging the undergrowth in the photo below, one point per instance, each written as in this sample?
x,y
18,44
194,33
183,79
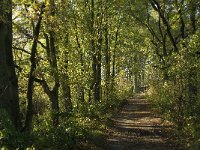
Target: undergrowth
x,y
73,132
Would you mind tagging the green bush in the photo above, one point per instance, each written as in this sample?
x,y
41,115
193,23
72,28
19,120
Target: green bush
x,y
10,138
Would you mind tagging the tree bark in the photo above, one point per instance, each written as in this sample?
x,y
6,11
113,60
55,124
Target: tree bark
x,y
114,54
107,56
66,90
30,90
93,87
51,54
98,81
9,98
52,94
157,8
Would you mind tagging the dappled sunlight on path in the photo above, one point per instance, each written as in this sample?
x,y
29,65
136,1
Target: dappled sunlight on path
x,y
135,127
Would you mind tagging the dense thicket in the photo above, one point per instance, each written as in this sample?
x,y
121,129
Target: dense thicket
x,y
65,64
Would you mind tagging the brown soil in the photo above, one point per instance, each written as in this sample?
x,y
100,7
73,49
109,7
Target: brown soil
x,y
135,127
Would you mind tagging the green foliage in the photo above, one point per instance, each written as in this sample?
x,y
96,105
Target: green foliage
x,y
10,138
74,129
177,99
131,41
71,132
66,136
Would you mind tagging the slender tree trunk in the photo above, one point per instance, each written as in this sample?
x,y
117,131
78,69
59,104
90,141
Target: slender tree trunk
x,y
30,90
82,90
67,96
66,90
94,53
136,74
51,55
55,106
54,67
98,82
9,98
107,58
51,49
136,83
114,54
53,94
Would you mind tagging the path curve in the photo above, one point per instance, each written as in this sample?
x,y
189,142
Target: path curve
x,y
136,128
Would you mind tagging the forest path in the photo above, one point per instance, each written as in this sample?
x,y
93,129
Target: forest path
x,y
135,127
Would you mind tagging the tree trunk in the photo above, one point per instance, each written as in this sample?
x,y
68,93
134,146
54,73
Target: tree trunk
x,y
107,58
53,94
9,98
136,83
55,106
98,81
51,54
93,86
114,52
66,90
29,114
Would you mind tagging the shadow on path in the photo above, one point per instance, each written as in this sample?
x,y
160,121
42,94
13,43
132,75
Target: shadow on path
x,y
136,128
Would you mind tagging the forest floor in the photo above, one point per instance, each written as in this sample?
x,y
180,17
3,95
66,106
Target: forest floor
x,y
135,127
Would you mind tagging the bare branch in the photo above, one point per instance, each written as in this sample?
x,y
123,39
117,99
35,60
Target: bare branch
x,y
21,49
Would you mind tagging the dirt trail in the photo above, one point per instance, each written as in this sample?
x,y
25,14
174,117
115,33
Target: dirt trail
x,y
136,128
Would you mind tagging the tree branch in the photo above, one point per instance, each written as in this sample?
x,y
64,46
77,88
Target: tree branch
x,y
44,85
21,49
156,6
